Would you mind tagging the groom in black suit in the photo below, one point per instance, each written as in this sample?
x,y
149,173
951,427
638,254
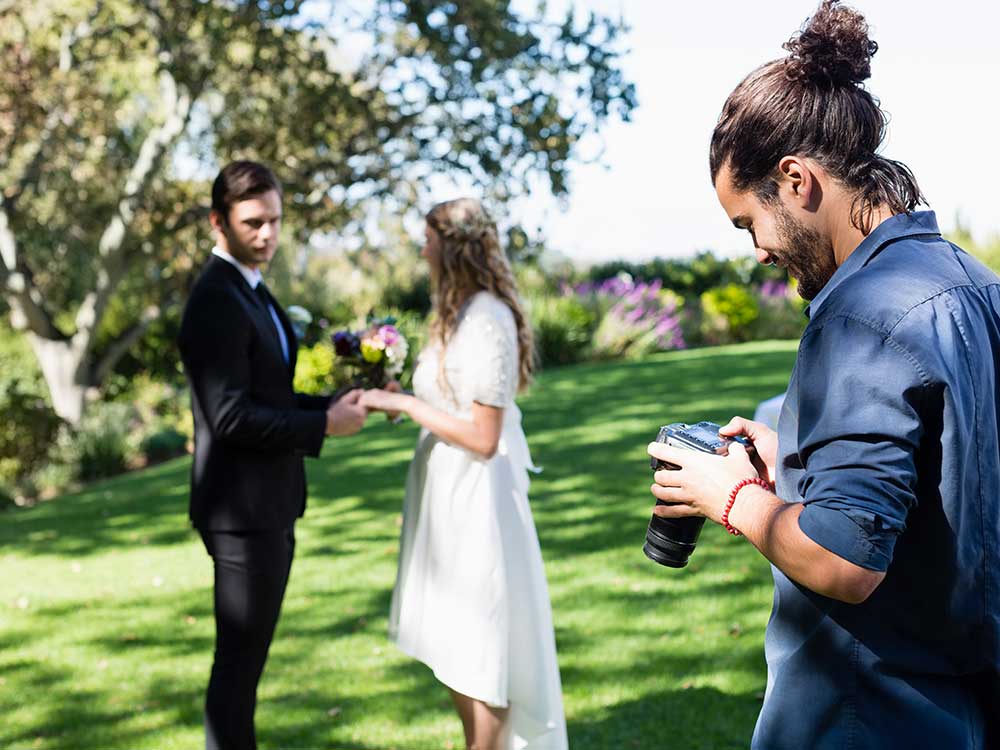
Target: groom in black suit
x,y
251,431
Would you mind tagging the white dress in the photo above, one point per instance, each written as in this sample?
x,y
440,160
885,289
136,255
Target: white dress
x,y
471,599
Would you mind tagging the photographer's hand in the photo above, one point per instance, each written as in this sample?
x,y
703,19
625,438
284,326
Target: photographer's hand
x,y
765,443
701,486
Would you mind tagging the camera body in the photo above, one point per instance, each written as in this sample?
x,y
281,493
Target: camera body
x,y
702,436
670,541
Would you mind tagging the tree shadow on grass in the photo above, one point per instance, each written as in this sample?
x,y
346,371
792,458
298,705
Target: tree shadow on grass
x,y
696,718
146,507
588,426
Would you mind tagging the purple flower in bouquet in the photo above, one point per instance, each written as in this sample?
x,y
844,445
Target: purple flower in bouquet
x,y
346,344
377,354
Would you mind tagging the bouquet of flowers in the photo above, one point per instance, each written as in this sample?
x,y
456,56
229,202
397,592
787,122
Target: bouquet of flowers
x,y
376,354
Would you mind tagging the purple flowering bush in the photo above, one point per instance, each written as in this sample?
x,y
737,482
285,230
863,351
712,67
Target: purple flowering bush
x,y
635,317
780,312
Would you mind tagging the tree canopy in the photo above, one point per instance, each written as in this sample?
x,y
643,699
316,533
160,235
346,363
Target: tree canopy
x,y
114,115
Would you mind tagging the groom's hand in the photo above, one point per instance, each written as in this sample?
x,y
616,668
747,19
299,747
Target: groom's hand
x,y
346,415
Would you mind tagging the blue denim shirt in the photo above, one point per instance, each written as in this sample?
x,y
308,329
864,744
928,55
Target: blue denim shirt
x,y
889,437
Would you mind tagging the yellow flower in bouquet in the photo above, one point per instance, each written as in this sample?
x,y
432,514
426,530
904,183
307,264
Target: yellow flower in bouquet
x,y
372,349
378,353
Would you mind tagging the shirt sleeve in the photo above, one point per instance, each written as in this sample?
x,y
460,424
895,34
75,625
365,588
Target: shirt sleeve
x,y
859,396
493,375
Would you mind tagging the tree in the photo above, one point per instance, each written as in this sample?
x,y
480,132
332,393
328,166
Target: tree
x,y
113,114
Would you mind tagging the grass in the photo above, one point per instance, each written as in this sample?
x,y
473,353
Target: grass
x,y
106,626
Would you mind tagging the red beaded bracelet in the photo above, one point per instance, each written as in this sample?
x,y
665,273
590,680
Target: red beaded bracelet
x,y
732,499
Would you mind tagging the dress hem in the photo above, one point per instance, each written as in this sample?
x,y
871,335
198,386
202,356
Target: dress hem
x,y
493,701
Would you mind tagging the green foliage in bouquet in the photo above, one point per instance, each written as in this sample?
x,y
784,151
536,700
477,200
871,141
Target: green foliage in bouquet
x,y
316,371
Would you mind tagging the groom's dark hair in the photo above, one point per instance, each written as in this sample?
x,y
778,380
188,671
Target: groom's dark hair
x,y
238,181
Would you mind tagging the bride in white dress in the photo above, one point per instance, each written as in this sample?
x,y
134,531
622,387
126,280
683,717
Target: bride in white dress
x,y
471,600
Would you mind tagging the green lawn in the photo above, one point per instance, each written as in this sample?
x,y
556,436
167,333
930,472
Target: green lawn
x,y
105,599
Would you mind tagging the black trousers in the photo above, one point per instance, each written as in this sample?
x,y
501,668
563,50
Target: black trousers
x,y
251,572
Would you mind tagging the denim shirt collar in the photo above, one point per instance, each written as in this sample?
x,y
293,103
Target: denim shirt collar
x,y
894,228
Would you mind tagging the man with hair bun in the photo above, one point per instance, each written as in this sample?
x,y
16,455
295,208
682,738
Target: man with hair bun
x,y
878,500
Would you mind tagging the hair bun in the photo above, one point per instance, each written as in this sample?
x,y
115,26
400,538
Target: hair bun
x,y
832,48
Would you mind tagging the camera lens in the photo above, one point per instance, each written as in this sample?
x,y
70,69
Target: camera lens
x,y
670,541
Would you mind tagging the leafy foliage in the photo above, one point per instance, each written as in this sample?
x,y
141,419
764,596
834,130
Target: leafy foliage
x,y
563,327
690,276
100,446
114,115
28,429
728,313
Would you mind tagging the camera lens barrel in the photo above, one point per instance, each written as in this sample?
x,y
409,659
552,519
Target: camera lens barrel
x,y
670,541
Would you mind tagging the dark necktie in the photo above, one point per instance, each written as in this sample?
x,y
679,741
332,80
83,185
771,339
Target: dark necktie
x,y
262,295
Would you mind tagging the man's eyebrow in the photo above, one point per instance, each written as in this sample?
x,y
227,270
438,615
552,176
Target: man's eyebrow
x,y
741,221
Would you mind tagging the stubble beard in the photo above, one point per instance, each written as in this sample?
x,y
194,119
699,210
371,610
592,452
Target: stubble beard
x,y
807,256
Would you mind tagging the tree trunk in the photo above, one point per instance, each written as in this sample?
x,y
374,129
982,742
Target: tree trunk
x,y
63,364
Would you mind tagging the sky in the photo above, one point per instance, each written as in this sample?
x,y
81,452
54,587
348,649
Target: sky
x,y
936,73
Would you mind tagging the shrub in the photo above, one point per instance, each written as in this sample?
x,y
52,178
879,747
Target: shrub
x,y
728,312
636,318
28,429
18,362
99,447
163,445
159,405
562,328
780,312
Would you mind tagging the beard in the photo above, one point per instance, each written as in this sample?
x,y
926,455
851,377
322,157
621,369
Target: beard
x,y
806,255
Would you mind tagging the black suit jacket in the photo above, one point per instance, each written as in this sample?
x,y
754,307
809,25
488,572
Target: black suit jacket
x,y
251,429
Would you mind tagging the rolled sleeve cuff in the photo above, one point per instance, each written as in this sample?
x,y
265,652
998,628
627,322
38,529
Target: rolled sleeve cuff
x,y
837,531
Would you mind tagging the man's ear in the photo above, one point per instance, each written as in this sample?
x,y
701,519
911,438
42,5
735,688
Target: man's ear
x,y
796,177
217,220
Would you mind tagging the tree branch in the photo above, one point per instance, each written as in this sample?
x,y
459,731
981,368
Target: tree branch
x,y
22,295
117,349
110,247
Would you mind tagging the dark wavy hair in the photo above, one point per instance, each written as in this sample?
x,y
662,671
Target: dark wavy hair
x,y
813,103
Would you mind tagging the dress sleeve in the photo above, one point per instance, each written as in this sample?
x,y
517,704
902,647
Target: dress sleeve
x,y
492,359
860,400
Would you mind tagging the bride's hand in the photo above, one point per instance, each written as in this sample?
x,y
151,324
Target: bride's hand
x,y
378,399
394,386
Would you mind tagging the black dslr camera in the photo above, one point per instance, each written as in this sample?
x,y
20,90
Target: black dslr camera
x,y
670,541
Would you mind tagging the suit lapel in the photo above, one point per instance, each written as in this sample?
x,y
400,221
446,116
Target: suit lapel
x,y
259,312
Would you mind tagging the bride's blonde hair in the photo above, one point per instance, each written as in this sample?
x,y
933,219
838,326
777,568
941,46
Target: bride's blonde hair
x,y
470,260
